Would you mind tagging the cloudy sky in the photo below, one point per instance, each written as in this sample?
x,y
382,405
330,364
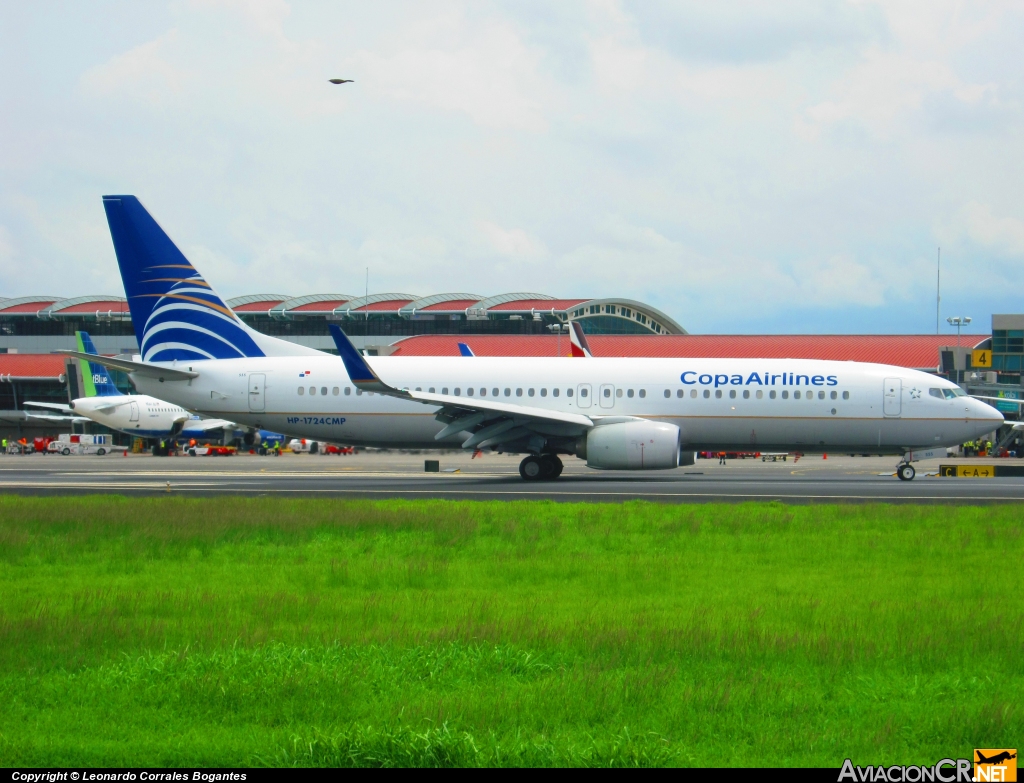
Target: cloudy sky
x,y
743,166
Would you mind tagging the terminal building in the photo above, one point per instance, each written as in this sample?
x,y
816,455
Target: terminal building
x,y
514,324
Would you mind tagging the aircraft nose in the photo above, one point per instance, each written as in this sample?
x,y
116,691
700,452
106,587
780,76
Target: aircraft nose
x,y
982,410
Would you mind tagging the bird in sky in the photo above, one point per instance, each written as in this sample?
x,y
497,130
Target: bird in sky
x,y
340,81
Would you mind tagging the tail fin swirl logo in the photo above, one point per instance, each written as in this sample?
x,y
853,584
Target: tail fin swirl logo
x,y
176,313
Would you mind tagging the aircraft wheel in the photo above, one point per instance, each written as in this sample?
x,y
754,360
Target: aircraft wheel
x,y
551,466
906,472
531,469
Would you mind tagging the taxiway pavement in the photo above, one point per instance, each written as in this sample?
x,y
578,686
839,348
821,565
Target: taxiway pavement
x,y
840,478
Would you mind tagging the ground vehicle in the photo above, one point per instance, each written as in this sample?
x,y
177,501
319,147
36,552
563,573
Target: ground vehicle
x,y
303,446
211,451
330,448
83,444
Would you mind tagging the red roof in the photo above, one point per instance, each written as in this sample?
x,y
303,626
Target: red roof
x,y
539,304
91,307
258,307
902,350
26,307
318,307
31,365
390,304
451,304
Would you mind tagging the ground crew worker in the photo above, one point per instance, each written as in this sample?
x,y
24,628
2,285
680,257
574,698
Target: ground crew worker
x,y
5,446
277,449
721,458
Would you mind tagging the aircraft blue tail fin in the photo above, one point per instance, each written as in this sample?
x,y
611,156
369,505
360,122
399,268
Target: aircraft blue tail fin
x,y
177,315
465,350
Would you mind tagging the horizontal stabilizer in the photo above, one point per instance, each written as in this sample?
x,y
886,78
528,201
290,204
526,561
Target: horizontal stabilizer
x,y
135,368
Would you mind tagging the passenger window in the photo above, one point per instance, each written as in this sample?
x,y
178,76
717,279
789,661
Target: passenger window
x,y
312,390
469,392
335,391
759,394
732,394
348,391
323,391
568,392
583,392
543,392
667,394
302,390
629,393
554,392
771,394
608,393
746,394
796,395
785,395
679,392
508,392
359,392
693,393
718,394
618,392
431,390
444,390
821,395
833,395
458,391
529,392
846,395
707,393
643,393
494,392
483,392
519,392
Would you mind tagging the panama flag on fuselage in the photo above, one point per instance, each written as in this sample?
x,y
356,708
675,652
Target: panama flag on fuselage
x,y
176,313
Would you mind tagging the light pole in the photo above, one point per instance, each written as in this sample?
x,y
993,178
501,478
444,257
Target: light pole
x,y
958,321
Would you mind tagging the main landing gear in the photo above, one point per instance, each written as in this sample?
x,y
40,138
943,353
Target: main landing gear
x,y
540,468
905,471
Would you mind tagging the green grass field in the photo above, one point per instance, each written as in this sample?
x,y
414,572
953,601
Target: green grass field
x,y
237,632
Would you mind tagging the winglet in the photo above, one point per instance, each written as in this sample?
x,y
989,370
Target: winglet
x,y
465,350
580,347
358,369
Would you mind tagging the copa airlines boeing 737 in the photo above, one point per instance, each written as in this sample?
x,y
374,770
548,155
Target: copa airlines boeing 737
x,y
617,414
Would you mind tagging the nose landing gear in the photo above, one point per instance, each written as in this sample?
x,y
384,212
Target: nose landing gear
x,y
540,468
905,471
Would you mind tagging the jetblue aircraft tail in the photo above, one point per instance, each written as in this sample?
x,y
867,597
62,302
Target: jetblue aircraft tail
x,y
177,314
95,378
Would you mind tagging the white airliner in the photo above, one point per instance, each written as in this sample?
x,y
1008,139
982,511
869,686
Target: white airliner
x,y
135,414
616,413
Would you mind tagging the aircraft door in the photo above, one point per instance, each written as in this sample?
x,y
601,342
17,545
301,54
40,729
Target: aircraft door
x,y
607,396
133,412
257,392
892,395
583,395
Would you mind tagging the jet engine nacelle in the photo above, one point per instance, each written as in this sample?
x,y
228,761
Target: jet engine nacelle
x,y
632,445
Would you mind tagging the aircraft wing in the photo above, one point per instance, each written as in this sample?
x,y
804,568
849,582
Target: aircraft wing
x,y
981,397
204,425
137,368
52,405
491,422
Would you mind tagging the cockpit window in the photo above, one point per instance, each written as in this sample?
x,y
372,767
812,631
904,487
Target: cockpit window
x,y
936,393
953,393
